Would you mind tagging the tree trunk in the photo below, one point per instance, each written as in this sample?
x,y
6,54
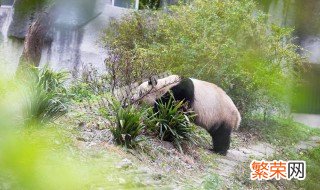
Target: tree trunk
x,y
35,39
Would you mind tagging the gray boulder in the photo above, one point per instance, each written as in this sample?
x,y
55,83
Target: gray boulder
x,y
21,21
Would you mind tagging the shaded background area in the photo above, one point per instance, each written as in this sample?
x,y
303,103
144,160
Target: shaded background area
x,y
307,96
7,2
73,41
303,16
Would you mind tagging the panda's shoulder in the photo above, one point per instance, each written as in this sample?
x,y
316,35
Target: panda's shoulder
x,y
183,83
204,84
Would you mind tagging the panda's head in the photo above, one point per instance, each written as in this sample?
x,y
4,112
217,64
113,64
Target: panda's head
x,y
153,89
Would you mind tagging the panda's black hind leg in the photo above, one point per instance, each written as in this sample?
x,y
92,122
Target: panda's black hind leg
x,y
221,138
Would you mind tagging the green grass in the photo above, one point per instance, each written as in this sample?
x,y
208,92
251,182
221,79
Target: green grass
x,y
213,182
284,134
281,131
312,158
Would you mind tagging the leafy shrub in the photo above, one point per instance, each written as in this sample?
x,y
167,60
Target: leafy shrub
x,y
127,122
89,83
151,4
81,91
172,123
228,43
126,63
46,98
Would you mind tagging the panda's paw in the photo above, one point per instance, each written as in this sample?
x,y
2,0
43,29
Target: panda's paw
x,y
220,152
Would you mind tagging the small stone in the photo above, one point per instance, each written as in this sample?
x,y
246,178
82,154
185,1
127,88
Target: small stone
x,y
237,155
188,160
315,138
82,139
82,125
125,163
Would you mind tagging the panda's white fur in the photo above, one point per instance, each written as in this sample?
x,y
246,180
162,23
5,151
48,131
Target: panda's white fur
x,y
212,104
215,110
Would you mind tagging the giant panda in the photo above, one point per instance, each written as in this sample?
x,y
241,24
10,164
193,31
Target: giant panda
x,y
214,109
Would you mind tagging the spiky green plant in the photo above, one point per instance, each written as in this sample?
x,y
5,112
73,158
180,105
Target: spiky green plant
x,y
127,124
45,97
172,122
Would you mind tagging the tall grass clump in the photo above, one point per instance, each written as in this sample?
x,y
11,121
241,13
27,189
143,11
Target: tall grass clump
x,y
172,123
127,123
45,95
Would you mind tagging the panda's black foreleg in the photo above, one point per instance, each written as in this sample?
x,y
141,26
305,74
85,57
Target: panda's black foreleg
x,y
221,138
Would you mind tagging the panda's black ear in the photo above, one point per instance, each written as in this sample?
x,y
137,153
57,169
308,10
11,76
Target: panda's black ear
x,y
152,81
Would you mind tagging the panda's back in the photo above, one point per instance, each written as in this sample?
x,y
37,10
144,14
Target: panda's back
x,y
212,105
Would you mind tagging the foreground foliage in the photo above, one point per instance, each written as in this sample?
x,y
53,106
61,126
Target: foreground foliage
x,y
37,156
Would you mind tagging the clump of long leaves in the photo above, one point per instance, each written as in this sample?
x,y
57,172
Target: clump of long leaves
x,y
127,123
173,122
46,97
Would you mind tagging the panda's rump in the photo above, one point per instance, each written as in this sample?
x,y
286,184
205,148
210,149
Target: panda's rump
x,y
212,105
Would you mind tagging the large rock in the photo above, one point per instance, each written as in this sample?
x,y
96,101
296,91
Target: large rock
x,y
6,2
21,21
71,12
